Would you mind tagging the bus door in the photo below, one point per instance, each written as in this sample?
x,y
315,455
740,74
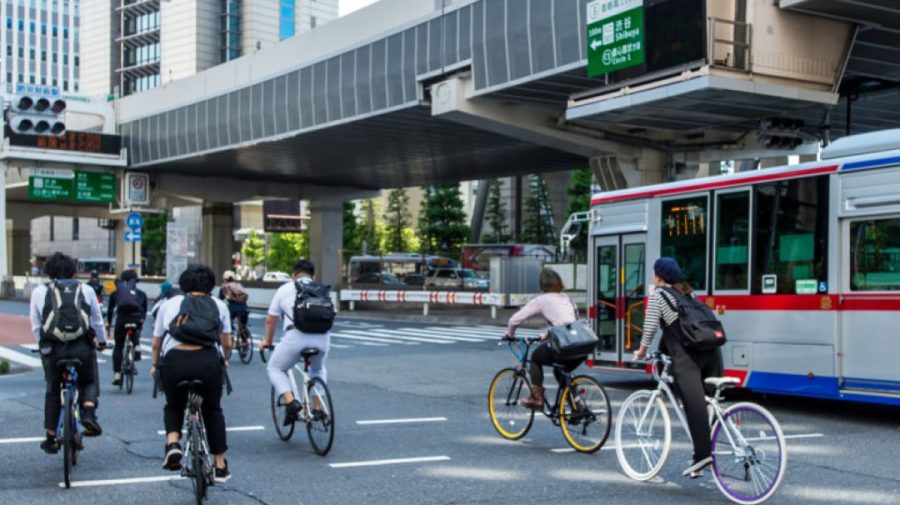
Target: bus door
x,y
619,293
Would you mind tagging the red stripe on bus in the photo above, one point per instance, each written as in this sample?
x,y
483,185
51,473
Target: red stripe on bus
x,y
740,374
715,185
850,302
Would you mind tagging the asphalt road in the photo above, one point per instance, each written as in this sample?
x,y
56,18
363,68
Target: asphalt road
x,y
381,371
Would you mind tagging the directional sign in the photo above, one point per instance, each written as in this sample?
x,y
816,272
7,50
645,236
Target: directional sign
x,y
95,187
133,236
615,35
134,221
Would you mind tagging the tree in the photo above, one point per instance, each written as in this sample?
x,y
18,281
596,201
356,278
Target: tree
x,y
352,228
495,213
153,246
253,250
372,229
286,248
397,219
579,192
537,222
442,223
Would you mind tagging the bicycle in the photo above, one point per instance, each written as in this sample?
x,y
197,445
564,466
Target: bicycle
x,y
749,452
129,370
319,420
244,340
581,408
68,429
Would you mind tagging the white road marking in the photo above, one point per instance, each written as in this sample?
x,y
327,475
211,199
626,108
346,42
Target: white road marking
x,y
18,357
339,346
482,335
32,347
230,428
22,440
363,340
380,462
440,334
118,482
564,449
402,421
396,335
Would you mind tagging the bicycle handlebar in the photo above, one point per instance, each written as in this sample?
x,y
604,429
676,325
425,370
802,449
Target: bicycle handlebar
x,y
527,340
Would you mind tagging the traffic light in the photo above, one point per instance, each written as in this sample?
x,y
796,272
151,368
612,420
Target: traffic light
x,y
780,133
37,115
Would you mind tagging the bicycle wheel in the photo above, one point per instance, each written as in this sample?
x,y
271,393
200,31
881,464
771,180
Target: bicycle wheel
x,y
643,435
68,440
245,343
198,465
278,410
320,425
128,369
749,453
586,414
511,420
262,356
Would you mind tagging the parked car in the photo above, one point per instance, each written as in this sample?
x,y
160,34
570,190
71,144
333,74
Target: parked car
x,y
456,278
276,276
414,279
383,278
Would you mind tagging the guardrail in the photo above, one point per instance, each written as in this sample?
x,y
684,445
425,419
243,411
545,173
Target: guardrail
x,y
427,298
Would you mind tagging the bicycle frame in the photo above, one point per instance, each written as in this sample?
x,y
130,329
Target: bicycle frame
x,y
303,392
70,388
551,410
193,416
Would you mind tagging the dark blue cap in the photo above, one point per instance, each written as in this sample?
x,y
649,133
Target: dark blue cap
x,y
667,269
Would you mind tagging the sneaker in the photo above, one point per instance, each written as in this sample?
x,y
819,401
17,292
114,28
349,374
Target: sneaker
x,y
49,445
696,469
173,457
137,354
291,412
221,475
89,421
117,379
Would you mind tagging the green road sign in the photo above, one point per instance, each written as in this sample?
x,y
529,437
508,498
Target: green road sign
x,y
615,35
69,186
95,187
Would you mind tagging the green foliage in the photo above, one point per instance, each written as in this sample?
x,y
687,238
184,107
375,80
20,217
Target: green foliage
x,y
579,192
495,215
372,229
442,223
153,243
411,239
286,248
352,229
397,219
4,366
253,250
537,220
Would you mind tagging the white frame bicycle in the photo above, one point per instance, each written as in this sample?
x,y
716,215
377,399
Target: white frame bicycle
x,y
644,430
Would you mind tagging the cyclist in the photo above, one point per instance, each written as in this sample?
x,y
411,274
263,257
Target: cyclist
x,y
287,354
191,336
234,294
97,286
52,307
129,305
166,292
557,308
689,368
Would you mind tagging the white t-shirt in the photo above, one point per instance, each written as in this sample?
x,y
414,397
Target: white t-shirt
x,y
283,306
170,310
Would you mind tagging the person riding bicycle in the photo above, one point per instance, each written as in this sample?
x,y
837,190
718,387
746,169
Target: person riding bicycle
x,y
56,308
287,354
689,368
129,305
97,286
166,292
234,294
557,308
191,335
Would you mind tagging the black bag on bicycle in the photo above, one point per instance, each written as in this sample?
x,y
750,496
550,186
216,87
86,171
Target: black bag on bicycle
x,y
573,340
313,309
197,322
697,327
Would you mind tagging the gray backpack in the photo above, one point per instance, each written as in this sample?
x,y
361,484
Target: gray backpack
x,y
66,313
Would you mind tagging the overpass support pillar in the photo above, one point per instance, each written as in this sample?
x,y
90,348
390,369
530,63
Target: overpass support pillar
x,y
217,232
19,247
128,254
620,171
326,239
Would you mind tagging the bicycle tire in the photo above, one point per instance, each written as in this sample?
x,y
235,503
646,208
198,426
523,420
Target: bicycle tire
x,y
262,356
68,440
284,432
766,429
325,421
128,370
597,411
197,463
630,414
246,351
510,400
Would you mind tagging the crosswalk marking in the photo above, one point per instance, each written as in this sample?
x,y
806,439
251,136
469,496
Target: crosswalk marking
x,y
363,340
384,338
440,335
20,358
397,334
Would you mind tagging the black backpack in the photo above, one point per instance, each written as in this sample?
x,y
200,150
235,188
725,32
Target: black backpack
x,y
127,301
313,309
66,315
697,327
197,322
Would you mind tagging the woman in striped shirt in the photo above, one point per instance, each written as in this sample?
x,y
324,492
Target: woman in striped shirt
x,y
689,368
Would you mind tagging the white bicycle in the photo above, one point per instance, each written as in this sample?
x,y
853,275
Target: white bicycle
x,y
317,413
748,447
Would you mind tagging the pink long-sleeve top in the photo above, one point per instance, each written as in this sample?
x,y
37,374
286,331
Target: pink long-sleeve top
x,y
556,308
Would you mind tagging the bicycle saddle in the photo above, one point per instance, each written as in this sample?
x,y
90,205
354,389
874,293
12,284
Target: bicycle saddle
x,y
309,352
190,384
722,382
66,363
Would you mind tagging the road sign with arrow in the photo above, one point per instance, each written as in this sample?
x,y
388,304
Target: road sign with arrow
x,y
615,35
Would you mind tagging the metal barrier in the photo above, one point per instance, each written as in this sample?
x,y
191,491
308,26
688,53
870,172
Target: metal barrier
x,y
426,298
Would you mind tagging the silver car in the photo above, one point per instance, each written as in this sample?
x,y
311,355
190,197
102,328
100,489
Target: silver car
x,y
456,278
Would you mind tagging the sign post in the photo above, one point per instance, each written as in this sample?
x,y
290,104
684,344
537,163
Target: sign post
x,y
615,35
135,222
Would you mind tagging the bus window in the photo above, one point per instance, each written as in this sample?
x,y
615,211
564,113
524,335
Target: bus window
x,y
875,255
684,237
792,235
732,241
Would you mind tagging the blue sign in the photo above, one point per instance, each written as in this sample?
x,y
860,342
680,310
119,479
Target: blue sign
x,y
133,236
823,287
31,89
134,221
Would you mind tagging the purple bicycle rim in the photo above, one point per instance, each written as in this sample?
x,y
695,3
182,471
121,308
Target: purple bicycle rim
x,y
715,466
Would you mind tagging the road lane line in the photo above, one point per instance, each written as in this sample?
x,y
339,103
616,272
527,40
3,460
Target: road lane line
x,y
481,335
22,440
232,428
394,334
402,421
564,449
119,482
17,357
442,334
364,340
381,462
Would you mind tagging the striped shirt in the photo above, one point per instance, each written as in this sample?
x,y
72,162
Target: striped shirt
x,y
658,310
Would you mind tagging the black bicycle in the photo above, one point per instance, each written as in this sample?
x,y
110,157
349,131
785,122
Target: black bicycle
x,y
244,339
129,370
69,434
581,408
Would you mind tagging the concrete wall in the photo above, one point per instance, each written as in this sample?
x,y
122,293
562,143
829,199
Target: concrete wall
x,y
97,54
92,242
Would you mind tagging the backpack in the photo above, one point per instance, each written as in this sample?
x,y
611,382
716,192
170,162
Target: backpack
x,y
234,292
197,322
697,327
127,301
66,313
313,309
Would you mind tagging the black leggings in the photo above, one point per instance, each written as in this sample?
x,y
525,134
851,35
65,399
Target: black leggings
x,y
119,335
204,365
87,377
689,369
543,356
